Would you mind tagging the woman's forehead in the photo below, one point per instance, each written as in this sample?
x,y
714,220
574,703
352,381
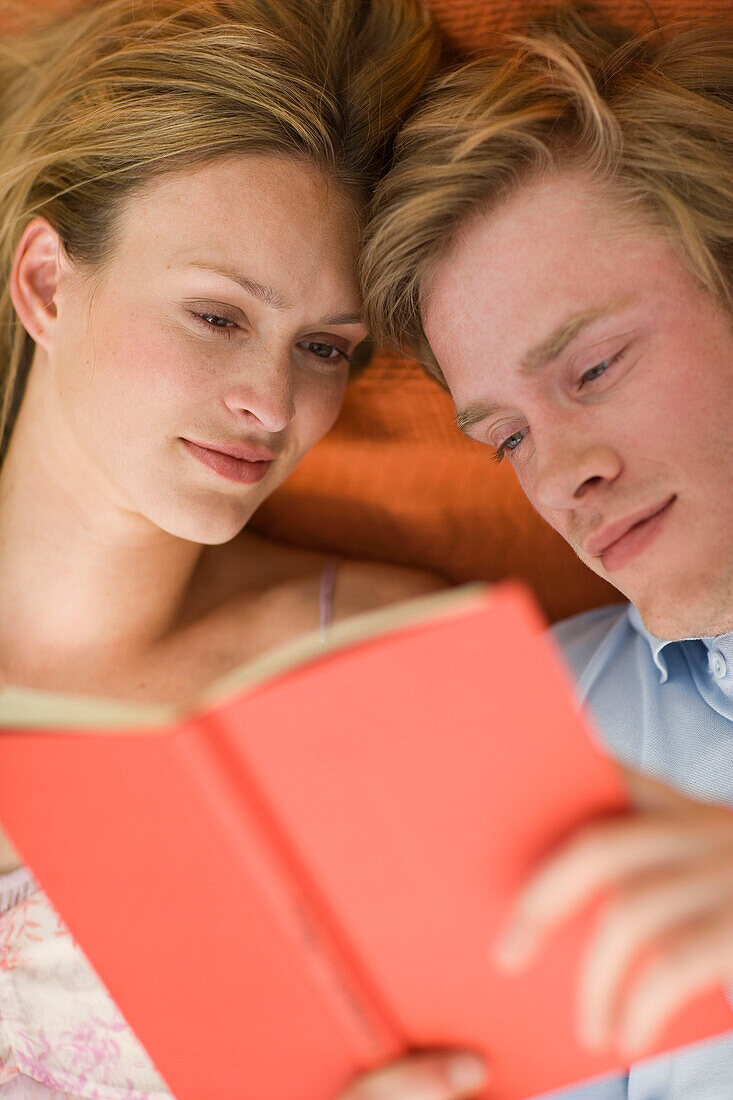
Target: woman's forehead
x,y
273,222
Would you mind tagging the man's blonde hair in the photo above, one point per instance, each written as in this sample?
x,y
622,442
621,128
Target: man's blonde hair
x,y
98,102
650,115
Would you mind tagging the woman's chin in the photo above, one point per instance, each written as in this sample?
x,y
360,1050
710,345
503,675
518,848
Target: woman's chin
x,y
211,526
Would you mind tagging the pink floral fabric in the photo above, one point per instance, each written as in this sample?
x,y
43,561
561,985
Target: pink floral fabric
x,y
61,1035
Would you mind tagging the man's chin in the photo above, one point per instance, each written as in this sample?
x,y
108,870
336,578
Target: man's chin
x,y
675,603
674,619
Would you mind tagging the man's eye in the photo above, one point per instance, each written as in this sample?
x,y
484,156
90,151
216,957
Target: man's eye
x,y
510,444
599,369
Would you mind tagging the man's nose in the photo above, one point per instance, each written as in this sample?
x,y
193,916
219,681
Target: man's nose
x,y
572,468
263,392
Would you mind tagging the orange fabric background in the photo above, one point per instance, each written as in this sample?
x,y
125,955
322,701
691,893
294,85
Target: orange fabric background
x,y
394,480
468,24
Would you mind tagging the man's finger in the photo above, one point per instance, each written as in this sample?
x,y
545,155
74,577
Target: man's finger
x,y
599,857
428,1076
641,914
691,961
646,793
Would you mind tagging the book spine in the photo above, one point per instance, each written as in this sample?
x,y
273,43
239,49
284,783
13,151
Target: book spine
x,y
294,902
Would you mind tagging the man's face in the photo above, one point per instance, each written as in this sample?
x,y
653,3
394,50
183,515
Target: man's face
x,y
582,350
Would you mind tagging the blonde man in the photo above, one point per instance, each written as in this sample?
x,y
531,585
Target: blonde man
x,y
555,243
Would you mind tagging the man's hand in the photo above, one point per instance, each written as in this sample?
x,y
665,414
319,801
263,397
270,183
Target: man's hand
x,y
434,1075
669,867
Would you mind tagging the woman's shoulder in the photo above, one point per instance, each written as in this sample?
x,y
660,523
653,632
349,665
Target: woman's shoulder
x,y
361,586
311,587
272,592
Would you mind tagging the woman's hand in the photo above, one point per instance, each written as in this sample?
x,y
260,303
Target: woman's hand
x,y
669,867
434,1075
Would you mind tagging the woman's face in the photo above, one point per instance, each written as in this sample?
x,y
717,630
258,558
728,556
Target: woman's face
x,y
190,376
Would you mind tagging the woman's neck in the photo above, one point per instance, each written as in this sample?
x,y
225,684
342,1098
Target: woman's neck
x,y
77,572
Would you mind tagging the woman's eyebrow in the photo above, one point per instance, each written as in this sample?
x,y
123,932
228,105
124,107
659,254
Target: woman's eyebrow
x,y
271,297
343,319
263,293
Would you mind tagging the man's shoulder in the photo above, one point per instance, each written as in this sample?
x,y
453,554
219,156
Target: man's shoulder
x,y
583,636
600,648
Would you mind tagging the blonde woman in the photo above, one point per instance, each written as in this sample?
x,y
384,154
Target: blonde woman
x,y
181,195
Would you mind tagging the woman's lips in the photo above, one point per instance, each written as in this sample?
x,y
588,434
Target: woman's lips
x,y
637,539
234,467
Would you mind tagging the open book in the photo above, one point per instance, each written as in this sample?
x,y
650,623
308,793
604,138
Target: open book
x,y
302,877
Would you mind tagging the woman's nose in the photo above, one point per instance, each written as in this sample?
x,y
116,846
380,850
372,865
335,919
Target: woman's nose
x,y
264,393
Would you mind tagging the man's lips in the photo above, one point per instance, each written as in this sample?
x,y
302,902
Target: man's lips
x,y
245,463
602,540
617,543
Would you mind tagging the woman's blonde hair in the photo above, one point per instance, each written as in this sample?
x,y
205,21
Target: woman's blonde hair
x,y
652,115
95,104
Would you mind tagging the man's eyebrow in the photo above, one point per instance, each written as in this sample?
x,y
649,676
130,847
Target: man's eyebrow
x,y
536,358
549,348
271,297
473,414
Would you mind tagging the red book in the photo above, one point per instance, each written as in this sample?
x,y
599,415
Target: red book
x,y
302,877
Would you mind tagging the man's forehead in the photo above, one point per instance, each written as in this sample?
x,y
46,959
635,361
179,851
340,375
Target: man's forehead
x,y
562,221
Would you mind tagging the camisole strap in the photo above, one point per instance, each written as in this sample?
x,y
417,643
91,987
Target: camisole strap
x,y
328,583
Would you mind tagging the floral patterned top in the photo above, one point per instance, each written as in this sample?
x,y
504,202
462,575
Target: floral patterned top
x,y
61,1035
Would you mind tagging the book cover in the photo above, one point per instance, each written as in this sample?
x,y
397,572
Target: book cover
x,y
302,876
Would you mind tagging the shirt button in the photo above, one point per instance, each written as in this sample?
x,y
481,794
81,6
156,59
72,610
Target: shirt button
x,y
717,663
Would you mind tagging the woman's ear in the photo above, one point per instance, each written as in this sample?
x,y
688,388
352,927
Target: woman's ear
x,y
34,280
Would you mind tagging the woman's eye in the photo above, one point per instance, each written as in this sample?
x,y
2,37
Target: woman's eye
x,y
329,352
213,320
510,444
217,322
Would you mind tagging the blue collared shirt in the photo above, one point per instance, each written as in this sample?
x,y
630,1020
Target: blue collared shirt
x,y
665,708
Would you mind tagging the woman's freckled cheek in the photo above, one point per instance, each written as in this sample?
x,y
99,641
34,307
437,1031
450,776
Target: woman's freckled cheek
x,y
159,355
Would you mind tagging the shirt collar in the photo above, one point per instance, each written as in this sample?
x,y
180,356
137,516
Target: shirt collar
x,y
655,644
722,642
